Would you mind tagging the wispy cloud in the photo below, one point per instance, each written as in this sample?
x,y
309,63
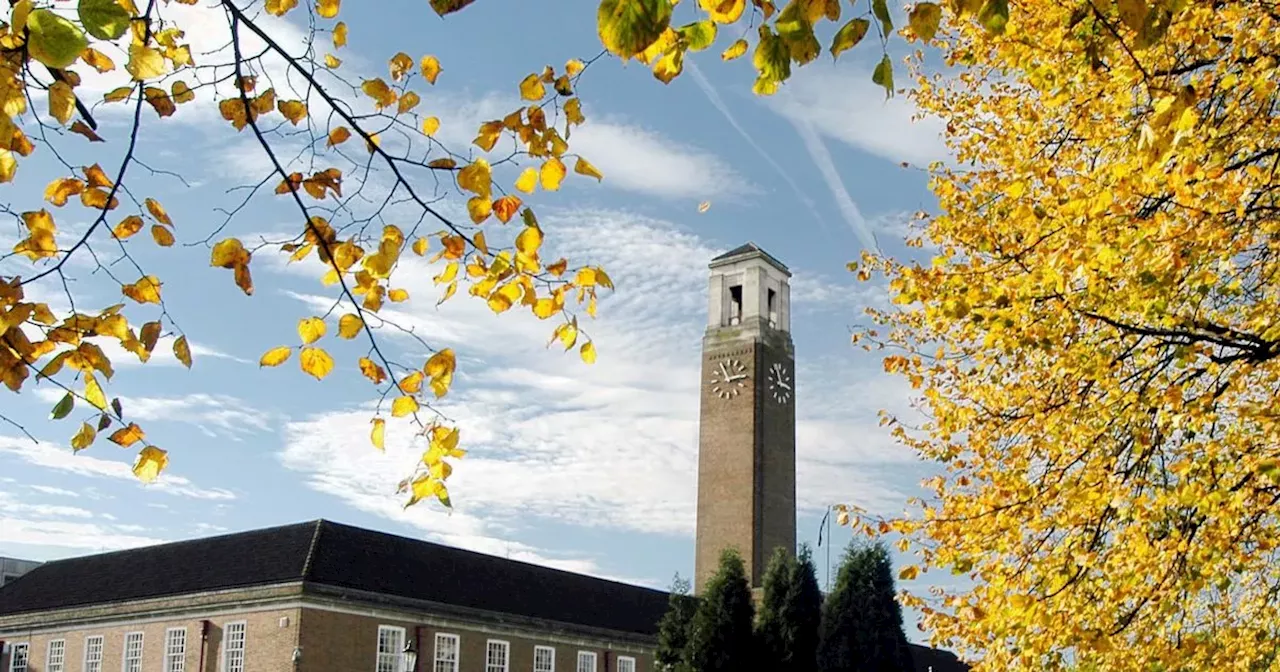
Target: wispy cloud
x,y
59,458
822,159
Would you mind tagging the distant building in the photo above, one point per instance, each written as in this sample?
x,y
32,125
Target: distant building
x,y
321,596
12,568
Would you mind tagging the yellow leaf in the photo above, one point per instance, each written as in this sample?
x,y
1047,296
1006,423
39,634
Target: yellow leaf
x,y
144,62
340,35
480,243
280,7
151,461
574,66
338,136
584,167
275,356
477,178
398,295
430,125
568,335
545,308
372,371
909,573
588,352
479,208
849,35
443,164
724,11
62,101
528,180
408,101
349,326
420,246
506,207
552,174
98,60
430,68
229,253
145,290
377,89
331,61
400,65
531,88
378,435
529,240
488,135
61,189
83,438
181,92
926,16
127,436
448,274
316,362
704,206
93,391
161,235
627,27
411,383
182,351
293,110
440,368
327,8
310,329
403,406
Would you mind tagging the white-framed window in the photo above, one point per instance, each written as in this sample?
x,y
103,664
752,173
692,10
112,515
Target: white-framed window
x,y
233,646
544,659
18,657
390,648
57,658
93,654
446,652
132,652
497,656
175,650
586,661
626,664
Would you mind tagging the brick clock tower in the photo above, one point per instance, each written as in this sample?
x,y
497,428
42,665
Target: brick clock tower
x,y
747,430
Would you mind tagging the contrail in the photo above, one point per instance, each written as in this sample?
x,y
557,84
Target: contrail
x,y
822,158
714,97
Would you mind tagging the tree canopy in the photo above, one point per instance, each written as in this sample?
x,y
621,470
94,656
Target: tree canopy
x,y
790,608
721,638
673,630
861,625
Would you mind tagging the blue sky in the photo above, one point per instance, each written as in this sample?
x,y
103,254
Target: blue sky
x,y
586,468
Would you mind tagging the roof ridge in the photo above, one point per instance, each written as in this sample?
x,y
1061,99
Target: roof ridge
x,y
311,549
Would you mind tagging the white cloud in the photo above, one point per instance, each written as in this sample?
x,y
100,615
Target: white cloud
x,y
68,534
613,445
842,103
215,415
50,490
51,456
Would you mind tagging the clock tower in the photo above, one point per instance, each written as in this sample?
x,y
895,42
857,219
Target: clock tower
x,y
747,429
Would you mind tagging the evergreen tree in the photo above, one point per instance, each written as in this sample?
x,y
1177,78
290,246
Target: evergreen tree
x,y
673,629
721,637
787,628
861,625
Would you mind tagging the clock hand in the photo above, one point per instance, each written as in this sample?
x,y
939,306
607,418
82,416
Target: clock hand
x,y
740,376
783,385
723,370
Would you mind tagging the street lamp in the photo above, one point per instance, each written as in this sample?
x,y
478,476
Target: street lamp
x,y
410,657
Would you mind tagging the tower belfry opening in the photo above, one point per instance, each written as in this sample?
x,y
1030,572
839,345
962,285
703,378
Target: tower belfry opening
x,y
746,434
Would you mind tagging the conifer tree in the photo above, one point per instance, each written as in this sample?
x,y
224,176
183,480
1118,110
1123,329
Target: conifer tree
x,y
861,625
805,613
673,629
721,639
787,628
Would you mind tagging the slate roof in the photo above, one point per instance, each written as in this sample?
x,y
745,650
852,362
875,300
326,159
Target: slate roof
x,y
749,248
326,553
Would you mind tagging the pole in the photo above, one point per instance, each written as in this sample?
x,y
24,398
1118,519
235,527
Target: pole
x,y
828,549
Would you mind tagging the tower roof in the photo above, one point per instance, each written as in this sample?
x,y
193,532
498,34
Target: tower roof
x,y
748,250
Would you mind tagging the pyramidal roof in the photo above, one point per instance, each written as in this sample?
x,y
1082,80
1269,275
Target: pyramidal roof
x,y
745,251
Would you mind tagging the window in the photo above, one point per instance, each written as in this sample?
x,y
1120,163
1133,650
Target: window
x,y
233,647
57,655
93,654
390,648
133,652
446,653
735,304
18,658
175,650
544,659
626,664
497,657
773,308
586,661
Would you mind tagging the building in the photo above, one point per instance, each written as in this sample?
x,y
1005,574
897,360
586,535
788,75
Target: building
x,y
321,596
12,568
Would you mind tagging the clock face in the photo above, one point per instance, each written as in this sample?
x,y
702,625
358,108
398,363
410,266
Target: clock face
x,y
780,386
728,378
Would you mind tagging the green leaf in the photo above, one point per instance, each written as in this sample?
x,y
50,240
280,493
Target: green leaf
x,y
796,31
63,407
627,27
772,61
103,19
698,35
994,15
54,40
883,75
924,20
881,9
848,37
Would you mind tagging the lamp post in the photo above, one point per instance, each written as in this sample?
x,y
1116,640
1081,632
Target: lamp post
x,y
410,657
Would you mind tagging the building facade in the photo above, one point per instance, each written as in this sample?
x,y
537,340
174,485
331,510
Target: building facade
x,y
319,597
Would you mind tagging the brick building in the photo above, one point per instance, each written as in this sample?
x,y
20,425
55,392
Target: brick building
x,y
316,597
321,597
